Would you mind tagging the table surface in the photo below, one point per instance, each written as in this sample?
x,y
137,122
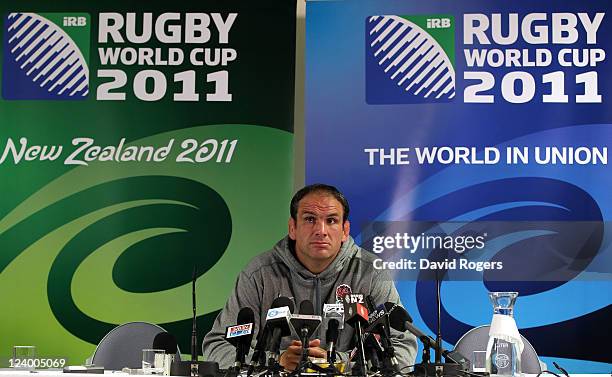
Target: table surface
x,y
52,373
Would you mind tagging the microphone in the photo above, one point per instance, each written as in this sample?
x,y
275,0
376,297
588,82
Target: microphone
x,y
331,337
335,311
356,314
278,319
306,307
241,335
400,320
194,334
263,337
306,322
194,367
357,317
370,304
379,324
165,341
378,320
373,350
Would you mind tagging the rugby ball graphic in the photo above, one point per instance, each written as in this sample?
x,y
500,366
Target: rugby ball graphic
x,y
411,57
47,56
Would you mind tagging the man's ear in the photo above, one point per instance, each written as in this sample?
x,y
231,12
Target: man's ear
x,y
292,228
346,230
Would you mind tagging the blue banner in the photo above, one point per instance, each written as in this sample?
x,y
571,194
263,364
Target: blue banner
x,y
480,122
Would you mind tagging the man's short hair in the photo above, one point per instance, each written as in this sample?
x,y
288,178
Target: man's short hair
x,y
318,188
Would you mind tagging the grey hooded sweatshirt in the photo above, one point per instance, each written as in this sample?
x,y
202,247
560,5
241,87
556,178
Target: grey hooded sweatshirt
x,y
277,272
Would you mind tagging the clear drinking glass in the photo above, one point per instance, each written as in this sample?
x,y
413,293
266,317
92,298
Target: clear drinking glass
x,y
153,361
478,361
23,357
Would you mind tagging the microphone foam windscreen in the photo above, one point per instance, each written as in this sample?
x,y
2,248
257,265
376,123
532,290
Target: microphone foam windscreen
x,y
397,316
306,307
370,303
165,341
245,315
332,330
283,301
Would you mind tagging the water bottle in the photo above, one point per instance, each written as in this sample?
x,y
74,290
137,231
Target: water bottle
x,y
503,357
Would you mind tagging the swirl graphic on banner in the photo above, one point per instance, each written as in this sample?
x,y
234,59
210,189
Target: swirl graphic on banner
x,y
115,242
150,245
549,207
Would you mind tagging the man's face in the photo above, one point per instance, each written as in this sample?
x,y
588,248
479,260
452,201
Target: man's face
x,y
318,231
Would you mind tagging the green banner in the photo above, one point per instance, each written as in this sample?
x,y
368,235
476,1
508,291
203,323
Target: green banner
x,y
135,143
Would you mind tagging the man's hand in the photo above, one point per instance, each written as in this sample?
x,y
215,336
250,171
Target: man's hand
x,y
292,356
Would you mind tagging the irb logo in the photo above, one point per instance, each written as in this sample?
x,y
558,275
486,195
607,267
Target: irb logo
x,y
46,56
438,23
75,21
410,59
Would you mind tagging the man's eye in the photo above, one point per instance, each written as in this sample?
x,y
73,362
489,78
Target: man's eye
x,y
309,219
332,221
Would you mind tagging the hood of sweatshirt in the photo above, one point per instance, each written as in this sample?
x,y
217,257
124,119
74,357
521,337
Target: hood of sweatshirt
x,y
307,285
284,250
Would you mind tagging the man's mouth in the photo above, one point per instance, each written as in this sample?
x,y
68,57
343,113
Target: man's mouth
x,y
319,243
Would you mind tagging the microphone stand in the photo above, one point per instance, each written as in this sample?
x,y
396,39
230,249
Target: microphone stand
x,y
194,368
360,366
438,353
194,333
305,363
274,355
438,368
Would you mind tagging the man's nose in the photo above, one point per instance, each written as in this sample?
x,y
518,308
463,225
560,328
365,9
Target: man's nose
x,y
321,228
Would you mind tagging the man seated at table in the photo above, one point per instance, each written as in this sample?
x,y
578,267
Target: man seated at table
x,y
317,261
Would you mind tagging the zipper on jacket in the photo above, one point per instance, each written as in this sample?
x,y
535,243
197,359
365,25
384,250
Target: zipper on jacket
x,y
317,305
317,289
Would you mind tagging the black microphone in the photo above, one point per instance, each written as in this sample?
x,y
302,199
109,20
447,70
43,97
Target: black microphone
x,y
264,335
400,320
280,325
263,338
258,358
245,316
370,303
373,351
335,311
194,367
379,323
378,320
306,307
241,335
356,316
281,301
194,334
331,337
165,341
305,324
